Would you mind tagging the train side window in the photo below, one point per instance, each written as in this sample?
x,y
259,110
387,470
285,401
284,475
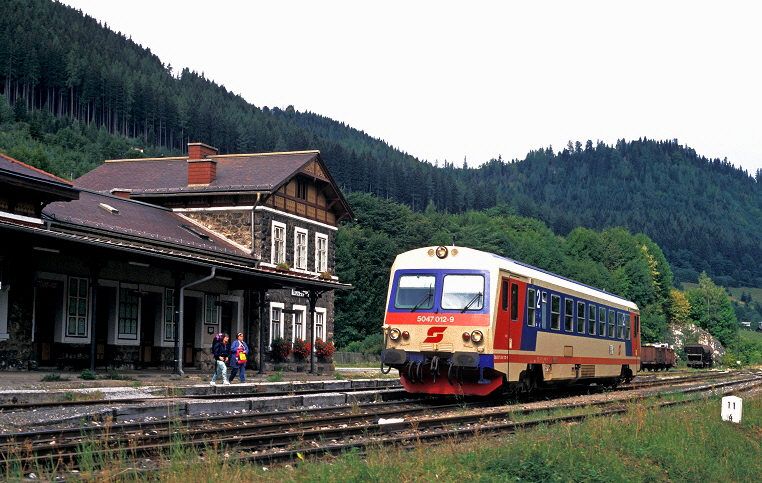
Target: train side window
x,y
568,315
504,295
636,327
601,321
581,317
593,321
514,302
620,332
555,312
531,304
612,322
627,333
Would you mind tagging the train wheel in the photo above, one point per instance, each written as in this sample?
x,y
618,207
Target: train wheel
x,y
527,381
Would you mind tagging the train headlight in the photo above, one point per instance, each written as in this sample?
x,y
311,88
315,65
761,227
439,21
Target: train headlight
x,y
406,335
477,336
394,334
441,252
466,336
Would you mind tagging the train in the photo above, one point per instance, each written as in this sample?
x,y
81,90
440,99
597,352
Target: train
x,y
657,357
699,356
461,321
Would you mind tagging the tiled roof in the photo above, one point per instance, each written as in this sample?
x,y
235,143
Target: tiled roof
x,y
17,167
123,217
244,172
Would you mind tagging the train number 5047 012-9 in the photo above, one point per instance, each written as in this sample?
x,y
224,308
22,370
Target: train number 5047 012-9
x,y
435,318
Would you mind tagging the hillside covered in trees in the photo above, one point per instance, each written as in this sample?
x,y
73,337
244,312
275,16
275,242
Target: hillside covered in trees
x,y
73,93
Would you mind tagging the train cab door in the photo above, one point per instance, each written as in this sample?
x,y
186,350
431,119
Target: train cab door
x,y
502,327
510,317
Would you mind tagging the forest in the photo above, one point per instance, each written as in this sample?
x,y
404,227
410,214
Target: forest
x,y
74,93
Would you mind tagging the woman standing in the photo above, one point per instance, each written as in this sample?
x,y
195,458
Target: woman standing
x,y
221,353
237,361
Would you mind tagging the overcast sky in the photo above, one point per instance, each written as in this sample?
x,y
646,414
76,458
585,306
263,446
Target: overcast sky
x,y
447,80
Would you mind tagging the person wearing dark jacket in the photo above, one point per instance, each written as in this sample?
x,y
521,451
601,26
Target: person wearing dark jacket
x,y
221,353
237,361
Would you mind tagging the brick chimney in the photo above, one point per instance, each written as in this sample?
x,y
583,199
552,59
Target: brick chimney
x,y
200,169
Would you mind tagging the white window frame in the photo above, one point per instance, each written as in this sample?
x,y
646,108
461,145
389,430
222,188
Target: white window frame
x,y
169,309
300,249
319,327
299,310
119,318
321,254
86,333
275,307
214,310
278,246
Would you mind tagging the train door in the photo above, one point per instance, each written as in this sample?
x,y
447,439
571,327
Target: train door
x,y
509,320
502,327
635,321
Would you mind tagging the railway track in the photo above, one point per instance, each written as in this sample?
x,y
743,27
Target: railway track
x,y
283,436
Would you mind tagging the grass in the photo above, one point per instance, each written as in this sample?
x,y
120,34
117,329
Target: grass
x,y
82,396
684,444
54,377
277,377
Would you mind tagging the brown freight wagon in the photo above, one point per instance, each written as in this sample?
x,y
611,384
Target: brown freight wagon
x,y
699,355
656,357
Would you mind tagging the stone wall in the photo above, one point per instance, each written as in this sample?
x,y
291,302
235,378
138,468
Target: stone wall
x,y
17,352
234,225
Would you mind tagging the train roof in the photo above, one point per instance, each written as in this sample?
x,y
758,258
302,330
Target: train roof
x,y
464,257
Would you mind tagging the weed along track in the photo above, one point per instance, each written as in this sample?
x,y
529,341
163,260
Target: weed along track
x,y
281,436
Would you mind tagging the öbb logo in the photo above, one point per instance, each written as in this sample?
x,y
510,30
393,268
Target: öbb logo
x,y
435,334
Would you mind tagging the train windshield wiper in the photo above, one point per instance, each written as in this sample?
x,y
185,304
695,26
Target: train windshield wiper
x,y
478,296
425,299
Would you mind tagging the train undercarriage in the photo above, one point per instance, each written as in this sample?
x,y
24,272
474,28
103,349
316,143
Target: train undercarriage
x,y
466,373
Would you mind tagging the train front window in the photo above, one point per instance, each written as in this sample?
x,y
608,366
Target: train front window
x,y
463,292
415,292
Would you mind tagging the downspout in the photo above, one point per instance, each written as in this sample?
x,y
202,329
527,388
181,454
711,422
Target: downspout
x,y
181,321
253,211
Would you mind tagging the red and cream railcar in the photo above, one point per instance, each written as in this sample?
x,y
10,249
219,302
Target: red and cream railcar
x,y
463,321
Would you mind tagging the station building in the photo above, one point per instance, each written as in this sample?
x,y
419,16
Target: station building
x,y
140,262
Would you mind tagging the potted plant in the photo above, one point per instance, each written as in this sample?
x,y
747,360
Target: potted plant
x,y
283,267
326,275
324,350
281,348
301,349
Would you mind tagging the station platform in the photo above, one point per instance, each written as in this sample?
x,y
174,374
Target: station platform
x,y
192,395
